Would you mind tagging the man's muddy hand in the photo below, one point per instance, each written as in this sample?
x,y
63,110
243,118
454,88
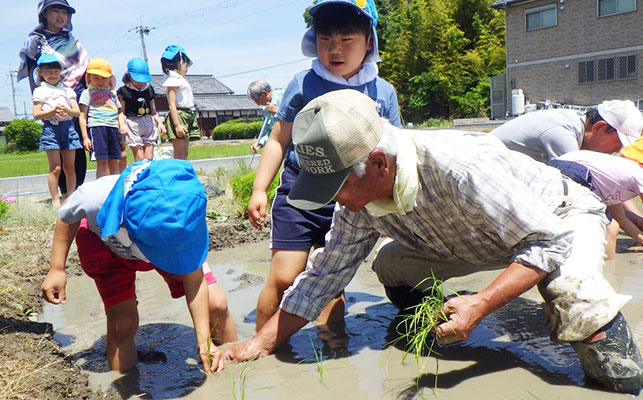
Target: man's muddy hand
x,y
245,351
464,314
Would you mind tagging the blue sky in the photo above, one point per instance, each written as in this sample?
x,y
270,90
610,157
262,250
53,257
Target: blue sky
x,y
222,37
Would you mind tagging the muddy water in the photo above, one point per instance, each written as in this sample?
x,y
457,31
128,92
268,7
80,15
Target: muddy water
x,y
509,356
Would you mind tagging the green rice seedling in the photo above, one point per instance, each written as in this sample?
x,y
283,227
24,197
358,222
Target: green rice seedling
x,y
239,391
417,327
319,359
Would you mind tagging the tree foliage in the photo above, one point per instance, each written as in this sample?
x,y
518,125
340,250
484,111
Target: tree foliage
x,y
25,134
439,55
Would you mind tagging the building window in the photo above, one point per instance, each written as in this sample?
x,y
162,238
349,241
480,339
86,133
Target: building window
x,y
606,69
611,7
541,17
586,71
627,67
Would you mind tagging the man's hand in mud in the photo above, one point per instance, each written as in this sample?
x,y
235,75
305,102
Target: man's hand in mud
x,y
245,351
464,313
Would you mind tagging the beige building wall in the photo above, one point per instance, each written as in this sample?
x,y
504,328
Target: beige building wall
x,y
544,63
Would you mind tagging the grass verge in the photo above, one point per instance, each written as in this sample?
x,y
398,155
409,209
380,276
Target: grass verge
x,y
12,165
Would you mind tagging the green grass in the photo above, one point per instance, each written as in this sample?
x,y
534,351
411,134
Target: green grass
x,y
36,163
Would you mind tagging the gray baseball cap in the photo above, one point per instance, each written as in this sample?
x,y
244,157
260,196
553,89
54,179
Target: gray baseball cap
x,y
331,134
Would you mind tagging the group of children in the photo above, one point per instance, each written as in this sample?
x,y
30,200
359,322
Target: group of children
x,y
152,215
109,120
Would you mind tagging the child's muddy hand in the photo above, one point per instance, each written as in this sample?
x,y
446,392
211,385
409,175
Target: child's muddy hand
x,y
53,287
211,357
257,208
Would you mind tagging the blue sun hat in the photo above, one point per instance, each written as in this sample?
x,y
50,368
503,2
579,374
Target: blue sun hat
x,y
172,50
48,58
162,206
139,70
364,7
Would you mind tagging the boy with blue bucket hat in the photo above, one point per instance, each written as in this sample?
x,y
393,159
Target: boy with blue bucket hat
x,y
343,40
150,217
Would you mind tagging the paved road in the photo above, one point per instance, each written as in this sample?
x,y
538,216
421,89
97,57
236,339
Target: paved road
x,y
37,184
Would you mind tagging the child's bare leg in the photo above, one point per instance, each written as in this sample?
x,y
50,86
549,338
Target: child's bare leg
x,y
53,157
122,324
284,268
114,166
334,310
138,153
221,322
180,148
611,236
148,151
69,166
102,168
122,163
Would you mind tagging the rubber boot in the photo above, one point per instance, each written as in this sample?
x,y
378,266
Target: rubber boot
x,y
612,359
404,297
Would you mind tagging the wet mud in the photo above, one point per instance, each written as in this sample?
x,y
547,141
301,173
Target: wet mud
x,y
509,356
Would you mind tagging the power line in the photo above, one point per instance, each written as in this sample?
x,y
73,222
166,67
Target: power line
x,y
263,68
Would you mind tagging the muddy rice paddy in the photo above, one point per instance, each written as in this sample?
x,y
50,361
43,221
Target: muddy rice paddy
x,y
509,356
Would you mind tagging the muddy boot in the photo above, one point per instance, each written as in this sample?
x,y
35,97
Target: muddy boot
x,y
612,359
404,297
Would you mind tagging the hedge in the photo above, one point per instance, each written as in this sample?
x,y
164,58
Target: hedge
x,y
237,129
25,134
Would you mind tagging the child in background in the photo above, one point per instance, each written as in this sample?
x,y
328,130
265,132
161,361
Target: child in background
x,y
181,122
344,40
139,118
54,35
262,94
615,180
99,118
56,104
151,217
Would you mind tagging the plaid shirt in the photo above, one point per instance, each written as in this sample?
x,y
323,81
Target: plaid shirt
x,y
478,203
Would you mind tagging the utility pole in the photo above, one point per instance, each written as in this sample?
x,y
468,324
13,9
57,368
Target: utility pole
x,y
24,105
142,30
13,92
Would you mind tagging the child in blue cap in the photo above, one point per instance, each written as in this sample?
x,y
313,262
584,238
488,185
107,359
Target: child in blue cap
x,y
181,122
343,39
56,104
140,118
150,217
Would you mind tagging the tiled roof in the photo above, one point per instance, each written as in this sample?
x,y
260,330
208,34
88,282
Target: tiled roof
x,y
6,116
201,85
224,103
504,3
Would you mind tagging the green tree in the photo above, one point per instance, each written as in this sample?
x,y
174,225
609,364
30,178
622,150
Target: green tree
x,y
25,134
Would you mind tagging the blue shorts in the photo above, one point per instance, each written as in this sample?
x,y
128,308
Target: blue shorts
x,y
59,137
292,228
106,142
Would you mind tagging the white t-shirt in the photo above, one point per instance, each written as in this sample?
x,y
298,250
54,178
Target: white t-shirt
x,y
184,96
51,96
86,202
616,179
543,135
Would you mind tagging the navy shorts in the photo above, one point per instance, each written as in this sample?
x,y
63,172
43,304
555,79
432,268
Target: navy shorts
x,y
292,228
106,142
59,137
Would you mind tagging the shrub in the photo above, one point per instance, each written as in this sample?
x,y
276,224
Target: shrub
x,y
24,133
237,129
4,208
242,189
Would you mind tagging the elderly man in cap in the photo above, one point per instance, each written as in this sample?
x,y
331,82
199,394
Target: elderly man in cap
x,y
453,203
